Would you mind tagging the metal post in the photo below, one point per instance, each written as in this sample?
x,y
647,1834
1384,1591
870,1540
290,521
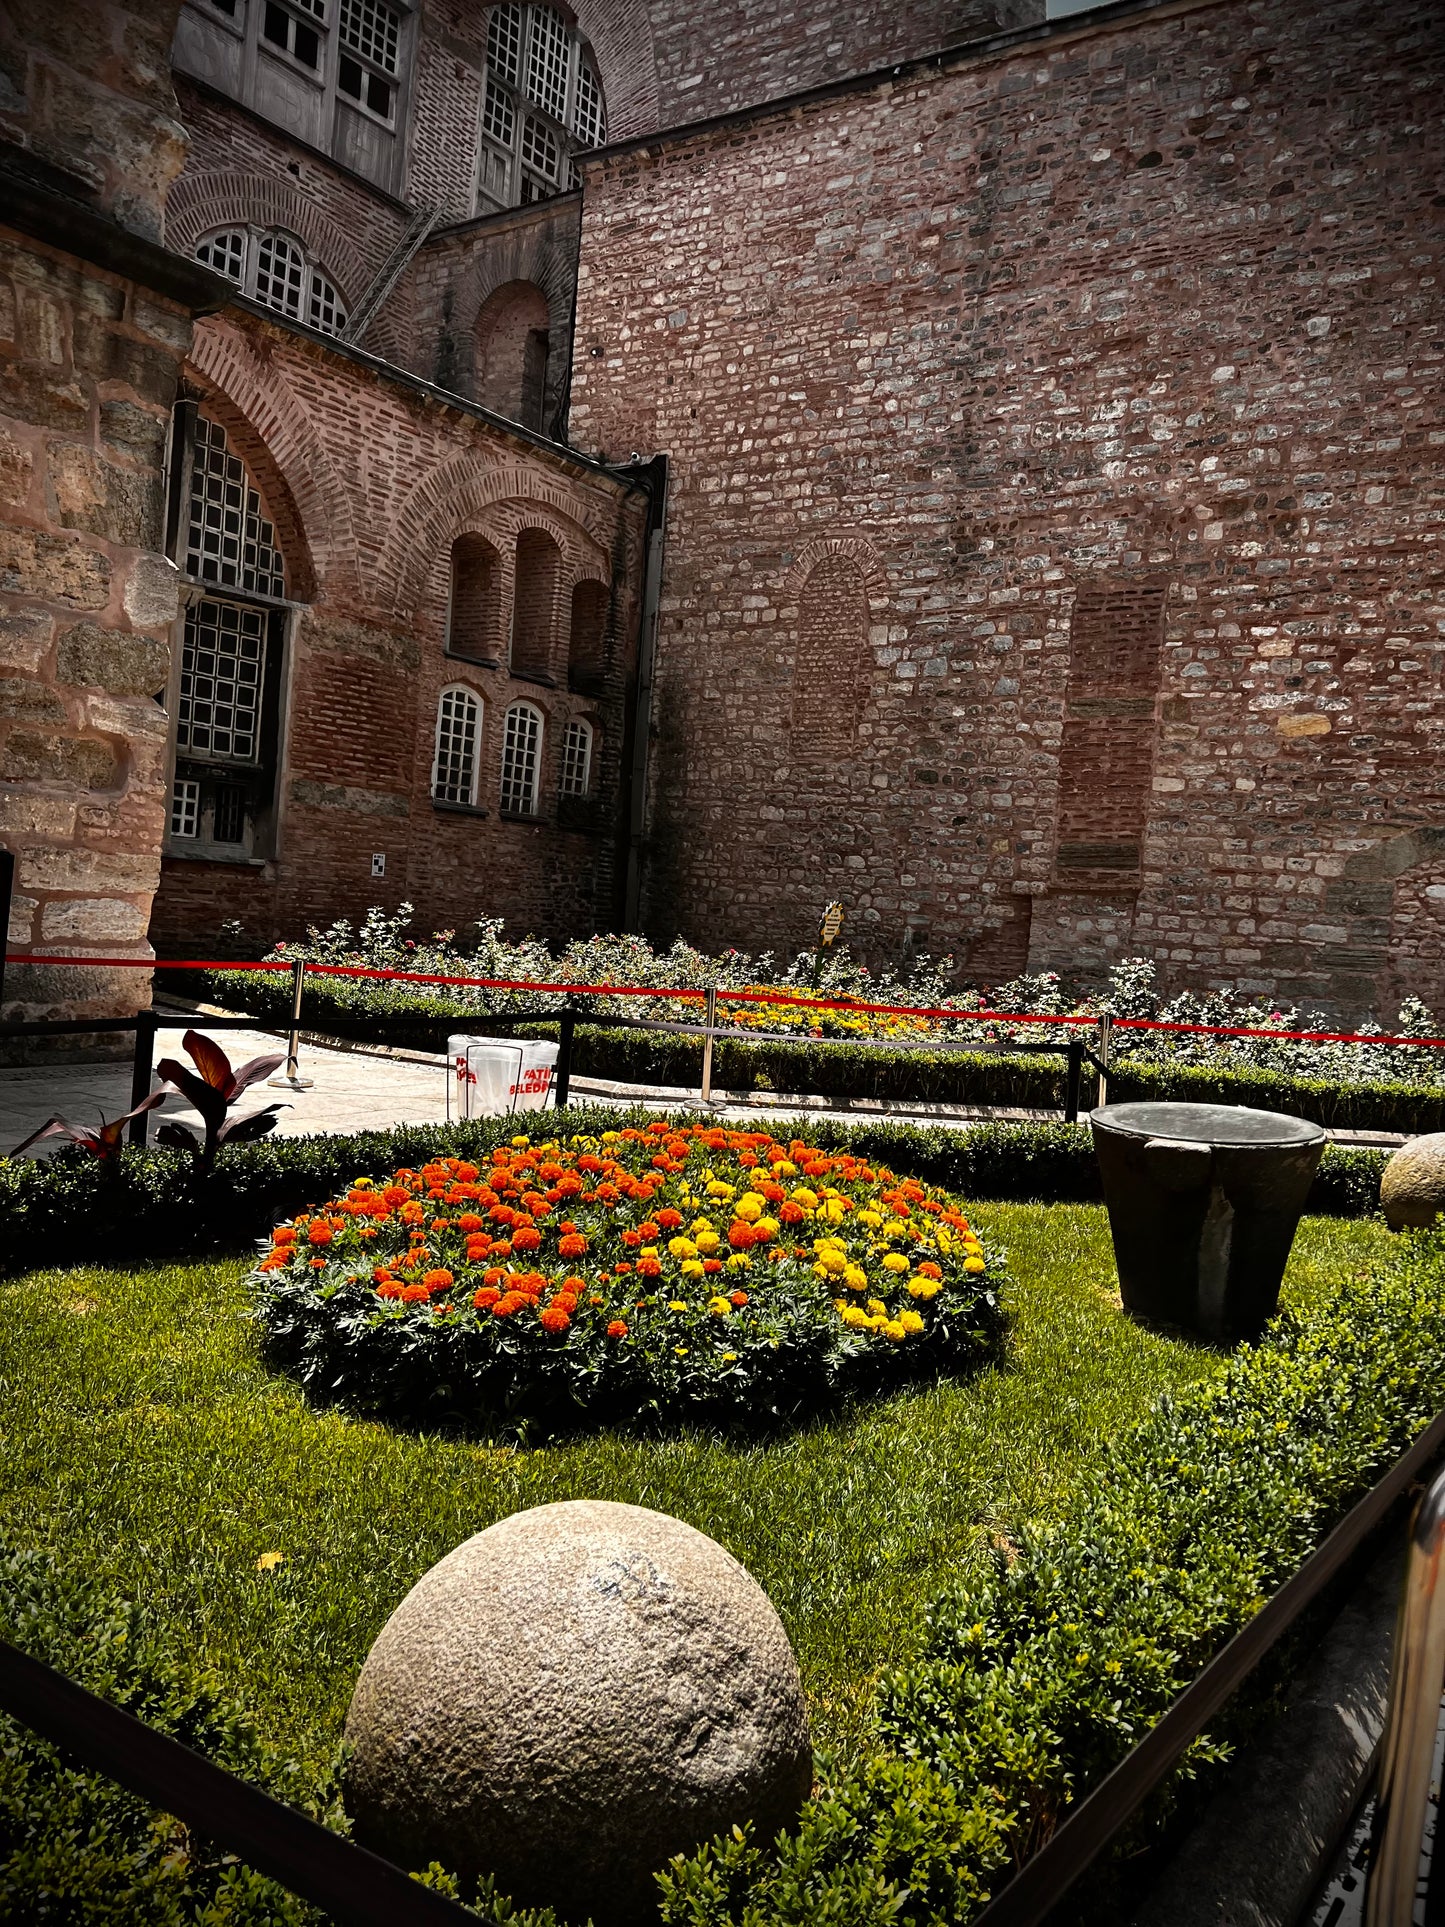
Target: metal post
x,y
7,891
562,1082
1072,1078
291,1077
1106,1033
1408,1746
710,1019
146,1026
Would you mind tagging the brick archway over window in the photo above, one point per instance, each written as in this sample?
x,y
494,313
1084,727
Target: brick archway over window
x,y
620,33
513,344
831,587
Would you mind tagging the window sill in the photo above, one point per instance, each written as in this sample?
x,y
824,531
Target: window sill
x,y
476,662
542,682
520,816
215,853
458,809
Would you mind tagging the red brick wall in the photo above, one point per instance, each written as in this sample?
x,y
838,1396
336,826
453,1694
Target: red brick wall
x,y
381,483
1157,300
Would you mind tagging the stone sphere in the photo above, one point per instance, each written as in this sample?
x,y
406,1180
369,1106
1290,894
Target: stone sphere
x,y
1412,1191
570,1698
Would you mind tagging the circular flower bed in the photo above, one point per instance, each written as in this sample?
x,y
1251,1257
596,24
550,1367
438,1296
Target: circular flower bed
x,y
634,1278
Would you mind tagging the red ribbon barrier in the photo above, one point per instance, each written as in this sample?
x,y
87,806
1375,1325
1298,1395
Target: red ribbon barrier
x,y
938,1013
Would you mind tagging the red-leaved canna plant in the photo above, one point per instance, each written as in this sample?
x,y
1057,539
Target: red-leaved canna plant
x,y
103,1142
213,1088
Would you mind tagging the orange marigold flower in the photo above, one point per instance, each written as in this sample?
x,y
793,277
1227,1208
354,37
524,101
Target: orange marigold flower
x,y
438,1280
389,1288
574,1283
486,1297
669,1219
632,1238
928,1269
649,1267
413,1294
617,1329
469,1221
739,1298
501,1249
595,1299
554,1319
508,1303
573,1245
276,1262
320,1234
740,1235
791,1213
712,1264
526,1238
650,1228
284,1234
396,1194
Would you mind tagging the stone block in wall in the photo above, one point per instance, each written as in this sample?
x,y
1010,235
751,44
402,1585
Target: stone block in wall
x,y
25,639
93,920
120,663
55,567
31,757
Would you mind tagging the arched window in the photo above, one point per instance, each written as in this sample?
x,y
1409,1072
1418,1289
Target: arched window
x,y
474,610
577,759
541,103
521,759
512,348
458,746
587,644
226,698
276,270
833,663
534,604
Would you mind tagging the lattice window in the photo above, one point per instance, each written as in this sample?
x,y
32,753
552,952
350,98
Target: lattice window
x,y
281,28
185,807
521,755
223,667
230,541
226,253
549,61
589,116
504,43
316,8
577,759
541,100
498,116
280,274
228,814
325,310
459,728
539,147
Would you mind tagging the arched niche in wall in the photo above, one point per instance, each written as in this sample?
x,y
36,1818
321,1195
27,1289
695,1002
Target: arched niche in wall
x,y
513,346
474,606
534,605
587,639
832,662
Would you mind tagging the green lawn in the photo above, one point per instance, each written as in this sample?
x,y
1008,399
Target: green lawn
x,y
143,1440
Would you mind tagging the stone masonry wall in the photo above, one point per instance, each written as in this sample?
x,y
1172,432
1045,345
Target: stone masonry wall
x,y
371,484
1141,309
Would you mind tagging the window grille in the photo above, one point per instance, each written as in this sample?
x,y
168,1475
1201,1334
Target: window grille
x,y
282,29
276,270
230,541
521,753
185,807
589,117
373,31
541,99
504,43
228,814
577,759
226,253
549,60
317,8
223,663
539,147
497,115
454,766
280,274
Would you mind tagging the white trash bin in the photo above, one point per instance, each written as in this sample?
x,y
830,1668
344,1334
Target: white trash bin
x,y
497,1076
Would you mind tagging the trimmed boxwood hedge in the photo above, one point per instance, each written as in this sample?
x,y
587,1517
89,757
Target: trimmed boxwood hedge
x,y
345,1007
66,1210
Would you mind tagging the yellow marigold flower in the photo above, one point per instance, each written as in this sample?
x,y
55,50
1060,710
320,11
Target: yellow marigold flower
x,y
677,1304
894,1261
855,1278
808,1199
770,1225
784,1168
877,1307
682,1247
681,1350
729,1358
740,1261
751,1206
719,1307
707,1242
693,1268
834,1260
717,1189
699,1225
894,1328
870,1218
851,1315
894,1227
835,1210
973,1264
821,1271
910,1321
924,1288
648,1251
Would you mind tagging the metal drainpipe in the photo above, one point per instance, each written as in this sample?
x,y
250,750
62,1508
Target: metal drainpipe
x,y
656,473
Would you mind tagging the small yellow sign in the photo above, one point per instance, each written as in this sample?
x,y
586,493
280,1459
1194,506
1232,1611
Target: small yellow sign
x,y
832,922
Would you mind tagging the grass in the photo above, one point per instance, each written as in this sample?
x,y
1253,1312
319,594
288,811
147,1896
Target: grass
x,y
143,1440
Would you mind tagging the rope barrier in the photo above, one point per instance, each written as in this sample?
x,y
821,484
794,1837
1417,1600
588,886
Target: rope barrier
x,y
847,1005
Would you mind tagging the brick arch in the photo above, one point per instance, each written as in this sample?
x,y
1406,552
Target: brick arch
x,y
224,360
462,496
198,204
620,33
832,585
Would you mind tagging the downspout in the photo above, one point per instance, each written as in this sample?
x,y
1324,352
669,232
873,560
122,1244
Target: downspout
x,y
654,475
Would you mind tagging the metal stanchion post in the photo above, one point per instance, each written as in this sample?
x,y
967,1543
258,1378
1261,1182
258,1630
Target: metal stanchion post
x,y
146,1026
1073,1076
562,1083
291,1078
1106,1031
710,1020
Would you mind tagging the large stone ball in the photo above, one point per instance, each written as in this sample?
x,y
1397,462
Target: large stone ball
x,y
570,1698
1412,1191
